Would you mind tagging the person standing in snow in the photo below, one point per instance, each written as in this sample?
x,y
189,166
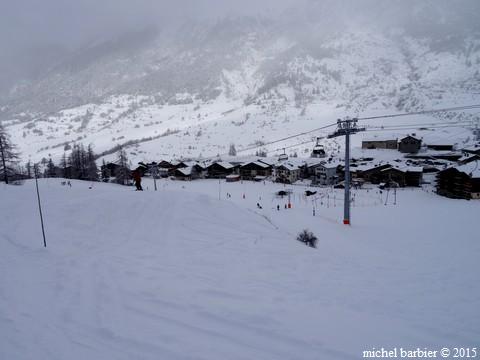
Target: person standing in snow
x,y
138,180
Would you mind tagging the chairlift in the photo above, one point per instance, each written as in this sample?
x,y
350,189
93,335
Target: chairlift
x,y
318,150
283,157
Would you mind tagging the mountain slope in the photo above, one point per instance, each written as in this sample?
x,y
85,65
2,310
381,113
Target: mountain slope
x,y
248,73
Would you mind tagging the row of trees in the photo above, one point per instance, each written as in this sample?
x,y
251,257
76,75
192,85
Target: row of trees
x,y
80,164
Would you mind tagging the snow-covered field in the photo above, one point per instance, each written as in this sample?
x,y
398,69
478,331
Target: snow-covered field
x,y
180,274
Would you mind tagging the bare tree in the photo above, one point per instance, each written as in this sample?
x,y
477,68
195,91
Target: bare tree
x,y
8,154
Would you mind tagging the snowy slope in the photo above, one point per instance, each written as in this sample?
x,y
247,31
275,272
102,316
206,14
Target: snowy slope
x,y
178,274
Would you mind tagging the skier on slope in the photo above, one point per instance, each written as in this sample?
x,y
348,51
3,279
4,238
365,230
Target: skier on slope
x,y
138,180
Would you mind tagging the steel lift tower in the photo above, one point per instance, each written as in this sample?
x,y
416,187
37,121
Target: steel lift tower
x,y
346,128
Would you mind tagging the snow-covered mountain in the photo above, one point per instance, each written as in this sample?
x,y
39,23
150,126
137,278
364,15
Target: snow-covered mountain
x,y
192,90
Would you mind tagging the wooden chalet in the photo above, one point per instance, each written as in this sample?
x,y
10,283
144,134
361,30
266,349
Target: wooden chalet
x,y
286,173
460,182
183,173
255,169
391,144
220,170
410,144
165,164
327,173
473,150
387,173
110,169
440,146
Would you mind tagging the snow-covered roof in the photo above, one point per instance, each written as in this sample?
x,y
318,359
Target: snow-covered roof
x,y
224,164
472,148
375,138
411,136
187,171
312,161
438,142
269,161
287,165
366,167
471,169
415,169
258,163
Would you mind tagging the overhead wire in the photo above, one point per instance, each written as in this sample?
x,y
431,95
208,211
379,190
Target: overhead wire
x,y
373,128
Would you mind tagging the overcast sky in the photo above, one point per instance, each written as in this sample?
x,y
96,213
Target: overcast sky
x,y
26,23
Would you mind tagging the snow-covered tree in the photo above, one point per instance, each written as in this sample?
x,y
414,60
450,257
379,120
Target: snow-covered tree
x,y
82,164
29,167
63,166
8,156
92,169
122,174
51,168
105,172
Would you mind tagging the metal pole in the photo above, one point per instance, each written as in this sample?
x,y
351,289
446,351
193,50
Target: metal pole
x,y
40,210
346,210
345,128
5,175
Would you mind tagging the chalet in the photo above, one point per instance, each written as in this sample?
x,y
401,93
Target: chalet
x,y
439,146
474,150
164,168
111,169
370,173
180,164
219,170
199,171
413,176
165,164
436,155
286,173
255,169
183,173
407,176
468,158
447,155
380,144
387,173
309,166
327,173
460,182
410,144
142,168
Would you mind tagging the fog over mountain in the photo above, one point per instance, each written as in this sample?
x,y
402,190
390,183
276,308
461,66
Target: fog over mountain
x,y
35,34
264,57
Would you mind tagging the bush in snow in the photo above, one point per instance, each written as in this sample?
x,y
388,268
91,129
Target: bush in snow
x,y
307,238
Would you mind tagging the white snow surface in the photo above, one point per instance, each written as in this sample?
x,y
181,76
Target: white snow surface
x,y
180,274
